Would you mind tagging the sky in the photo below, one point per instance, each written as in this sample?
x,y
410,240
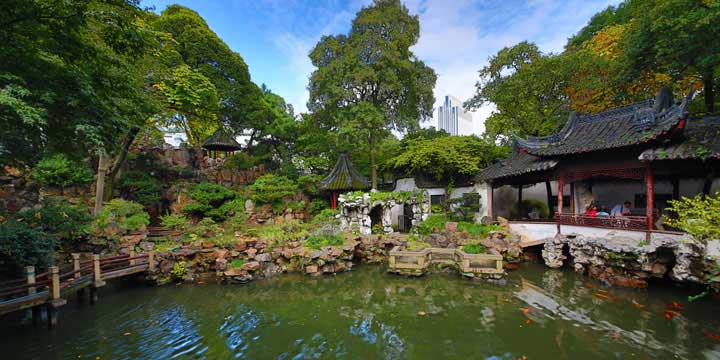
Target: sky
x,y
457,37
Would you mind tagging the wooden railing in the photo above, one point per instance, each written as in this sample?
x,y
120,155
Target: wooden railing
x,y
417,262
613,222
47,288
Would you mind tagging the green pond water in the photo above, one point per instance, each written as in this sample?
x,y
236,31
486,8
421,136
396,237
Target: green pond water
x,y
368,314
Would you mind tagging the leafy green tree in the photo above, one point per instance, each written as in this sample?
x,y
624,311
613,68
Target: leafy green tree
x,y
68,80
448,157
527,88
191,43
59,171
369,82
679,36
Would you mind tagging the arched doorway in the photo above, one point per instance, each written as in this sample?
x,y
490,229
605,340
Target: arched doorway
x,y
376,214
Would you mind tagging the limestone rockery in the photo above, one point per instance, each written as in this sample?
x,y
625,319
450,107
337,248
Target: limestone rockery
x,y
631,263
254,258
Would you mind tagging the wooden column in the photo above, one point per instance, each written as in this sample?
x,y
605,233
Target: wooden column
x,y
561,185
30,276
519,204
55,300
572,198
649,197
676,189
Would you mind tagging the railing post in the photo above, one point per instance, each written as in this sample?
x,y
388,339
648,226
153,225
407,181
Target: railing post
x,y
55,274
55,300
132,255
499,265
76,265
151,261
30,276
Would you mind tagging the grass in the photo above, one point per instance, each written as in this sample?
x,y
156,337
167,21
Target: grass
x,y
237,263
474,249
438,221
414,244
318,241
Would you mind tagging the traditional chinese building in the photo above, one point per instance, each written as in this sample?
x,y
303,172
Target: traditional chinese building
x,y
221,142
646,153
343,177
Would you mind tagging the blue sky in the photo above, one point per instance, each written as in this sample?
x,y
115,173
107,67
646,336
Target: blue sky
x,y
456,37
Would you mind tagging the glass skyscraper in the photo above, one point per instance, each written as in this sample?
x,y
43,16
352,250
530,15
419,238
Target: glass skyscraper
x,y
452,118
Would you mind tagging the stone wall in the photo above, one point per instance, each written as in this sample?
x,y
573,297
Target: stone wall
x,y
260,260
631,262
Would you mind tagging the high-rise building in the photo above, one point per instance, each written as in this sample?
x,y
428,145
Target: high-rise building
x,y
451,117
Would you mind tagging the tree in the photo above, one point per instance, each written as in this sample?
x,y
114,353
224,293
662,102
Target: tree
x,y
204,68
368,82
68,81
527,88
680,37
439,158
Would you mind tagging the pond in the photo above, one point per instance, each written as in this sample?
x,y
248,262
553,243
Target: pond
x,y
368,314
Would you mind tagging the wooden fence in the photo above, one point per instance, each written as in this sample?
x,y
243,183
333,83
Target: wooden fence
x,y
48,288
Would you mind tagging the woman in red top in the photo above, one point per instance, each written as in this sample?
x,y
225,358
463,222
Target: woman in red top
x,y
591,210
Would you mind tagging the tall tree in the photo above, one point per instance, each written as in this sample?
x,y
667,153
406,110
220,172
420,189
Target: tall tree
x,y
209,61
527,88
368,82
680,37
68,80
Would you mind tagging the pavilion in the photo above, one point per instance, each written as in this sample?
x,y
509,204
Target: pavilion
x,y
621,154
221,141
343,177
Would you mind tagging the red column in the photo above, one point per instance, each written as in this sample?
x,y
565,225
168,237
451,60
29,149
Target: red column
x,y
572,198
561,185
649,197
333,200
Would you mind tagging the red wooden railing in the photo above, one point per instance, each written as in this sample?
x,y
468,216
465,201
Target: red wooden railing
x,y
638,223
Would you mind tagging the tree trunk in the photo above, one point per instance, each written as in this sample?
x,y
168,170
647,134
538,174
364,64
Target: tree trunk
x,y
373,172
100,185
119,160
709,90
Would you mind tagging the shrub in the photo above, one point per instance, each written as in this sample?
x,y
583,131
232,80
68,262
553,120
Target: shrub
x,y
58,217
465,207
205,228
435,221
474,249
530,205
317,205
243,161
318,241
59,171
21,245
178,270
268,189
207,197
310,184
698,216
477,230
141,187
126,215
175,222
326,216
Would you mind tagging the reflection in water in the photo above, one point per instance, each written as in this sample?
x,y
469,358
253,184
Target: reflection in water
x,y
368,314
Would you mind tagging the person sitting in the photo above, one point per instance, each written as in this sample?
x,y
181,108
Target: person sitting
x,y
621,210
591,210
602,213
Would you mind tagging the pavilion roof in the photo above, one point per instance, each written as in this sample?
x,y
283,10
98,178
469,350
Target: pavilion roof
x,y
221,140
622,126
517,164
344,177
700,140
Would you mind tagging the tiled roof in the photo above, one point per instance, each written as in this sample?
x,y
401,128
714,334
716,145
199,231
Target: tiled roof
x,y
701,140
221,140
517,164
618,127
344,177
